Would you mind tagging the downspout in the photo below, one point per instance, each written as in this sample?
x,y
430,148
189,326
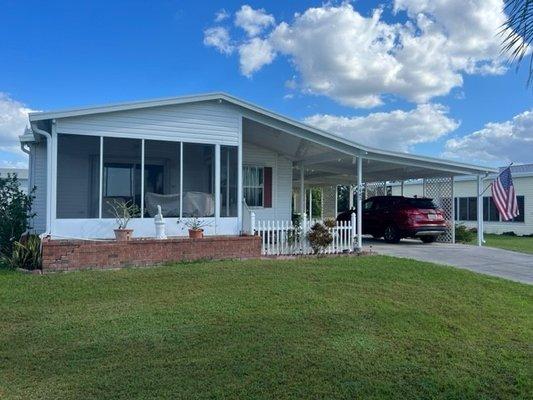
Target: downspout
x,y
48,137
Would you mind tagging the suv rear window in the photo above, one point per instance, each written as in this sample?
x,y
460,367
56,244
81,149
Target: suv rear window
x,y
420,203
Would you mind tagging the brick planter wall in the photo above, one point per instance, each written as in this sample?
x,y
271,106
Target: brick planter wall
x,y
66,255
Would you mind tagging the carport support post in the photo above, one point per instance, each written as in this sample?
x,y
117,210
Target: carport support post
x,y
359,205
302,189
480,210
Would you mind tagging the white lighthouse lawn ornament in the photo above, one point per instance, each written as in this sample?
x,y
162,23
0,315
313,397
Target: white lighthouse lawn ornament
x,y
159,224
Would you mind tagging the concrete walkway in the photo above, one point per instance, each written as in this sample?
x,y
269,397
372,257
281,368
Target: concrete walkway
x,y
485,260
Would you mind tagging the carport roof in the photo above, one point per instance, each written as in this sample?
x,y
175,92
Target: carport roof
x,y
344,150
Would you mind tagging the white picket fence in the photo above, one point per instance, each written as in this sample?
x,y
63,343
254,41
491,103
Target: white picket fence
x,y
286,238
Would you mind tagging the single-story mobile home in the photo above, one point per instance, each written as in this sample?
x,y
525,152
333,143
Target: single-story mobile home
x,y
211,156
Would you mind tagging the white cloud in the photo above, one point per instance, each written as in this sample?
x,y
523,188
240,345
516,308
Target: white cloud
x,y
221,15
497,142
13,164
255,54
396,130
218,37
13,120
253,21
358,60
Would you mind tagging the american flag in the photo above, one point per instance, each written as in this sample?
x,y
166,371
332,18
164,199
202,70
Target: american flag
x,y
504,195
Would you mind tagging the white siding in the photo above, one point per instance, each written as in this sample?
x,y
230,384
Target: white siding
x,y
523,186
207,122
281,181
38,179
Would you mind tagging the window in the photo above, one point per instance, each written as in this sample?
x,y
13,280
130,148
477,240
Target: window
x,y
78,176
520,218
490,212
228,181
467,209
162,178
253,186
198,180
463,208
121,173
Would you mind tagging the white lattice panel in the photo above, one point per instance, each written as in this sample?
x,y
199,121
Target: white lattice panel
x,y
441,191
329,198
375,189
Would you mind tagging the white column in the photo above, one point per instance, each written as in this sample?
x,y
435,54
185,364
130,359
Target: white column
x,y
217,186
350,200
310,204
181,180
240,198
479,210
101,172
359,210
452,180
142,178
302,189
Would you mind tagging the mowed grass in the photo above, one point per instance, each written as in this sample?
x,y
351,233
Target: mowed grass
x,y
522,244
367,327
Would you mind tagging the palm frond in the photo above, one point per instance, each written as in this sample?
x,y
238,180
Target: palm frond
x,y
517,32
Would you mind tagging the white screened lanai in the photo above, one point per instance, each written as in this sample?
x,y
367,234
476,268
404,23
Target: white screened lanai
x,y
209,156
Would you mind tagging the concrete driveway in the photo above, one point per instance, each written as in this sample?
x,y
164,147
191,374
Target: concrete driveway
x,y
485,260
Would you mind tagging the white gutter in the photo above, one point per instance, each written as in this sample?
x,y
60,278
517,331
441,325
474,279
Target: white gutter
x,y
48,137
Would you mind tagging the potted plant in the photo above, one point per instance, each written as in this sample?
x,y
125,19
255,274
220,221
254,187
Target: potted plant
x,y
195,226
123,211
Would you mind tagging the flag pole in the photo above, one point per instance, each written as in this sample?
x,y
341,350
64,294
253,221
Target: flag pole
x,y
490,184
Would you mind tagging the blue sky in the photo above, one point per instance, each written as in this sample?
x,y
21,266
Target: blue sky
x,y
60,54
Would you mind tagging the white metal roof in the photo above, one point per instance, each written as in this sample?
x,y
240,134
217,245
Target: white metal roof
x,y
312,133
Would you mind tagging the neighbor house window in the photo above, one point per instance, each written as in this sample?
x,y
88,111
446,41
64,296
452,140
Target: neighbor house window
x,y
78,176
467,209
253,185
520,218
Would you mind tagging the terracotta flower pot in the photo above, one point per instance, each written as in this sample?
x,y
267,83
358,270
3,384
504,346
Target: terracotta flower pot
x,y
123,235
196,233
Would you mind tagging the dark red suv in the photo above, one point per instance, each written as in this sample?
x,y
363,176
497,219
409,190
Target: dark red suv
x,y
397,217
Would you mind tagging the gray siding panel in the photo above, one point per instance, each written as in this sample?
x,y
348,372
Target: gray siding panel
x,y
38,179
207,122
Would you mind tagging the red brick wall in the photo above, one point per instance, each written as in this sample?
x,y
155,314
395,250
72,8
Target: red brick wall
x,y
63,255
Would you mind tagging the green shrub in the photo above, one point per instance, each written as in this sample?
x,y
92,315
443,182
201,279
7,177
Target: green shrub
x,y
330,222
15,213
26,254
463,234
319,237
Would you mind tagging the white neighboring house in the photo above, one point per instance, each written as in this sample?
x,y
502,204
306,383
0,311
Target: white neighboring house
x,y
21,173
213,156
466,203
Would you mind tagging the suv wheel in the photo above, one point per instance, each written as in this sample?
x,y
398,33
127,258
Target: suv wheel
x,y
428,239
391,234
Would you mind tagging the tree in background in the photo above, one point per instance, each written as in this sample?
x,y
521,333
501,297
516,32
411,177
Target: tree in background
x,y
15,213
518,32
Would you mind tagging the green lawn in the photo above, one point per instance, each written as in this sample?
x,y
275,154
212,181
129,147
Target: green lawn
x,y
523,244
369,327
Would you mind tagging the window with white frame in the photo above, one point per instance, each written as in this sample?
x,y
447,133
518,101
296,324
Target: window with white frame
x,y
253,185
